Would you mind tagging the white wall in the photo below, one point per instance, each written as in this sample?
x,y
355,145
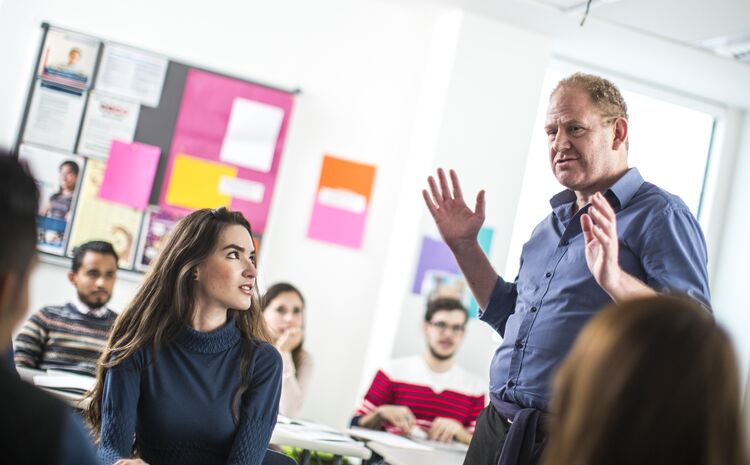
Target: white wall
x,y
730,280
484,136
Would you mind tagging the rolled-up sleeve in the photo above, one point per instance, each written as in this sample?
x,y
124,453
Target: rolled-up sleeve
x,y
675,257
501,305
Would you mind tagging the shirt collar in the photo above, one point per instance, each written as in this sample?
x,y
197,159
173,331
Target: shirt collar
x,y
86,310
623,189
626,187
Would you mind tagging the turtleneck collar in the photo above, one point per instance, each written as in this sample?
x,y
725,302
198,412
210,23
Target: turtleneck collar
x,y
212,342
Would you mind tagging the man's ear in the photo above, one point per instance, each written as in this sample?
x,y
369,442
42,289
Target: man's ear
x,y
621,133
72,277
424,328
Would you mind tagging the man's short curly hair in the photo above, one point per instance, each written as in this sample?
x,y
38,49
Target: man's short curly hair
x,y
602,92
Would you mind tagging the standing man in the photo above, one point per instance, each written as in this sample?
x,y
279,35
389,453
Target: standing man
x,y
610,236
428,392
71,337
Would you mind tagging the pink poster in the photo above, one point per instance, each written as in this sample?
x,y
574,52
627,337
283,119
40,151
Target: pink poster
x,y
258,127
337,226
129,175
342,202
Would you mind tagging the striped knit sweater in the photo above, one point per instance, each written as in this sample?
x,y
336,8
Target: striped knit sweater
x,y
63,338
455,394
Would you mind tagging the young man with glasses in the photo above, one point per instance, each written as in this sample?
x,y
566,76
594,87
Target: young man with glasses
x,y
428,395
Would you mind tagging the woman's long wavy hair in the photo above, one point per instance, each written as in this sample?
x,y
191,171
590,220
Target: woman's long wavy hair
x,y
273,292
650,381
165,304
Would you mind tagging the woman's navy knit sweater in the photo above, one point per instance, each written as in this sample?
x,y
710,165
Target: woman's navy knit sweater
x,y
177,407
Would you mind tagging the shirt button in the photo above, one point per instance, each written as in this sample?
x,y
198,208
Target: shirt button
x,y
564,243
511,384
519,345
547,274
533,309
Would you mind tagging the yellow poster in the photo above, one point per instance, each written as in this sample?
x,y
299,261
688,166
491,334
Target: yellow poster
x,y
195,183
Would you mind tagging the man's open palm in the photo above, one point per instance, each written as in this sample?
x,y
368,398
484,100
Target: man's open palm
x,y
456,222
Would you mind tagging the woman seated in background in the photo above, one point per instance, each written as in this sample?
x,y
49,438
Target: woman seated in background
x,y
283,310
187,376
650,381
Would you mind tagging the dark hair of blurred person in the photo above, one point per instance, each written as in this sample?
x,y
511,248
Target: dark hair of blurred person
x,y
34,427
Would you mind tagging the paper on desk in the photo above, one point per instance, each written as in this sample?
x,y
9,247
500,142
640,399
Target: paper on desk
x,y
313,426
454,446
306,433
387,439
57,380
27,374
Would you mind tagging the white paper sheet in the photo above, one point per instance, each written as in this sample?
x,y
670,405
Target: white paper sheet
x,y
54,118
387,439
342,199
242,189
132,74
107,119
250,140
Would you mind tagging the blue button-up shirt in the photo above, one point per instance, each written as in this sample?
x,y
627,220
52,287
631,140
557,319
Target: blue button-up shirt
x,y
554,295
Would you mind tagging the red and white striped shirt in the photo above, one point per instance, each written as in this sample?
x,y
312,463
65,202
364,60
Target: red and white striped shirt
x,y
455,394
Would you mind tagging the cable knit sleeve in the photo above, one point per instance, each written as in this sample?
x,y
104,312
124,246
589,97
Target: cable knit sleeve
x,y
294,383
260,407
119,410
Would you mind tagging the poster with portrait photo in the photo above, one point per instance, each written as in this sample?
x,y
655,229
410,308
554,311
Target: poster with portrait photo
x,y
58,177
68,59
98,219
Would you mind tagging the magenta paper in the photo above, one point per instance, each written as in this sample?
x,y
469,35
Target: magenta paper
x,y
202,125
337,226
129,175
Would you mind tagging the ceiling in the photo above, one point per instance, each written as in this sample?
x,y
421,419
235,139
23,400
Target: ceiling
x,y
723,26
691,22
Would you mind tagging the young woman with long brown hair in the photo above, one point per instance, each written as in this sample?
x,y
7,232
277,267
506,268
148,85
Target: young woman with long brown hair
x,y
188,376
648,382
284,312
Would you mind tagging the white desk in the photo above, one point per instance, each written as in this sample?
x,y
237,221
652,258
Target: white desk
x,y
74,400
312,437
401,456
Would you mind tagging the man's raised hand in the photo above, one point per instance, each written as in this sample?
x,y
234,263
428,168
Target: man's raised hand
x,y
457,223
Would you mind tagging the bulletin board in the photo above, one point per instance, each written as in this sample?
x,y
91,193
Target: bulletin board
x,y
124,142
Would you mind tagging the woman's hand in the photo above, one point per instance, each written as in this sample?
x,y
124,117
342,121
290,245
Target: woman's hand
x,y
289,339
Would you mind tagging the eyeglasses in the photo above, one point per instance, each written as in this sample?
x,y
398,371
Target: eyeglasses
x,y
442,327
